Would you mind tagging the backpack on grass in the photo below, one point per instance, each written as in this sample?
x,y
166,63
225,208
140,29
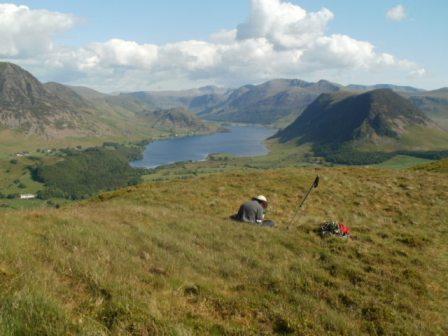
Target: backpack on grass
x,y
332,228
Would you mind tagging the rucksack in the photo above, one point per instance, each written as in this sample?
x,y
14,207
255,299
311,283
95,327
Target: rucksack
x,y
332,228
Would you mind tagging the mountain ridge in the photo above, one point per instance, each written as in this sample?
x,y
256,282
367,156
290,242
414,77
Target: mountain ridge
x,y
372,117
54,110
269,102
26,104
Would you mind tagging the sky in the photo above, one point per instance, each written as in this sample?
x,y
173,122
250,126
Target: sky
x,y
177,44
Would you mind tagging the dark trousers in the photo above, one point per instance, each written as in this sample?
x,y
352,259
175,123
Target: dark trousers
x,y
267,223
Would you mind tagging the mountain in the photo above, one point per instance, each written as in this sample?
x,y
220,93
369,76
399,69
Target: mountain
x,y
376,119
67,94
434,104
53,110
178,119
195,100
134,111
276,101
28,105
396,88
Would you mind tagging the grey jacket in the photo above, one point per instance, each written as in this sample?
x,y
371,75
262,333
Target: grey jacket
x,y
251,212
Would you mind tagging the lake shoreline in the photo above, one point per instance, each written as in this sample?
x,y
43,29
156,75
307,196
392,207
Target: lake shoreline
x,y
241,140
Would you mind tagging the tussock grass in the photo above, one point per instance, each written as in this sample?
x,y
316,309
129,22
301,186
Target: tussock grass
x,y
163,259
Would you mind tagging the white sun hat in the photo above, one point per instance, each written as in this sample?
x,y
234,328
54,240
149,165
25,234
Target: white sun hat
x,y
261,198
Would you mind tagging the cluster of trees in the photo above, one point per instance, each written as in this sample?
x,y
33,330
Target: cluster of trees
x,y
354,158
84,173
429,155
8,196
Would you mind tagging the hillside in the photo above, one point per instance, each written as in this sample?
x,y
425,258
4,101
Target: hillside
x,y
139,261
434,104
53,114
379,119
178,119
26,104
136,113
440,166
276,101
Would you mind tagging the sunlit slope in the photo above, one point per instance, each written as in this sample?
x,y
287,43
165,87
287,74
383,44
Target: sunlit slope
x,y
163,259
440,166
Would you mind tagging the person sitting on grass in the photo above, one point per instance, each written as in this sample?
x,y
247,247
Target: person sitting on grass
x,y
254,212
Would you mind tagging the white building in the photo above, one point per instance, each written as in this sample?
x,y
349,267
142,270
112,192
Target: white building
x,y
27,196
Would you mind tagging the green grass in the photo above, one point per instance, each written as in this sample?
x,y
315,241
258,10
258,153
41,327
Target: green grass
x,y
163,259
440,166
428,139
14,173
402,162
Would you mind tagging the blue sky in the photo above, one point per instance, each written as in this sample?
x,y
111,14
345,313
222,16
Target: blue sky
x,y
420,38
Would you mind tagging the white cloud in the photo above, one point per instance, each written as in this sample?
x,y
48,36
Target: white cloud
x,y
24,32
279,39
285,25
397,13
117,52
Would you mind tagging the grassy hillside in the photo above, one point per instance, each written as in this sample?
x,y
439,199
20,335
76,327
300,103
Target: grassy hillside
x,y
440,166
163,259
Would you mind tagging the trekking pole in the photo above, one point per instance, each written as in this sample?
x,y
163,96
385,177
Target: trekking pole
x,y
313,186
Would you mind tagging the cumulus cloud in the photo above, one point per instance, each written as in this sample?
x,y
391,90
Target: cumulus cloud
x,y
24,32
397,13
285,25
279,39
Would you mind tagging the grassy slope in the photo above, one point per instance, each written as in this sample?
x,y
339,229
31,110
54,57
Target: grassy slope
x,y
15,172
402,162
12,141
144,261
440,166
416,138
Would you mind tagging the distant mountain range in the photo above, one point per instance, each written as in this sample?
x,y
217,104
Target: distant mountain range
x,y
280,101
195,100
54,110
269,103
397,88
375,120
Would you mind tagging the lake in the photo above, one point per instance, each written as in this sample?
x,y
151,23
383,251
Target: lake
x,y
239,141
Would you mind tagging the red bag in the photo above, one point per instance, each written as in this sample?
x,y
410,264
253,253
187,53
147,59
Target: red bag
x,y
344,229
